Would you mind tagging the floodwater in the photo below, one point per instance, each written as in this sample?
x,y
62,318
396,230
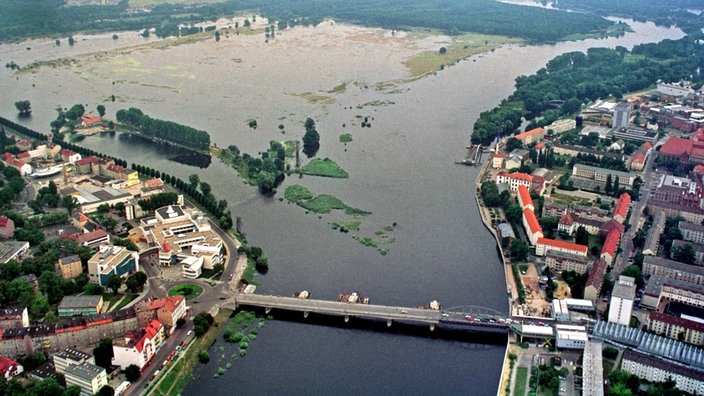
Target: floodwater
x,y
401,169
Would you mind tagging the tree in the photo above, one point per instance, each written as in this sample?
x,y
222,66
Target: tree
x,y
609,187
194,179
634,272
203,356
114,283
103,353
101,110
106,390
71,41
24,107
311,139
443,50
513,144
205,188
519,250
683,254
135,283
70,203
132,373
582,236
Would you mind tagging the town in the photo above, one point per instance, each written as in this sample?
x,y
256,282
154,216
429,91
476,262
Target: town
x,y
101,268
600,220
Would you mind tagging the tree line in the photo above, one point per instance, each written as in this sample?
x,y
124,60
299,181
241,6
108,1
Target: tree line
x,y
576,77
164,130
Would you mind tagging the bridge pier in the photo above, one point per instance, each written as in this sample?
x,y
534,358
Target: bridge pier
x,y
305,314
432,327
267,310
347,318
388,323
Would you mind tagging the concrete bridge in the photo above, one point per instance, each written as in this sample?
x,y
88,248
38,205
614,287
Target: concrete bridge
x,y
469,318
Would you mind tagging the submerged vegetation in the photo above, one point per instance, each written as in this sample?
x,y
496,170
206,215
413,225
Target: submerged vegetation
x,y
321,204
324,167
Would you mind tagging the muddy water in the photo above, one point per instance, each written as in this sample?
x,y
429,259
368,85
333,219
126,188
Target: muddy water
x,y
401,169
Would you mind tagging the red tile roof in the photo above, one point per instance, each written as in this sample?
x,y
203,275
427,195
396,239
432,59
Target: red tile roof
x,y
68,152
566,219
612,225
698,169
88,160
532,221
596,276
528,133
517,176
562,244
677,146
167,303
646,146
6,364
611,242
24,154
91,236
539,146
525,196
622,205
89,119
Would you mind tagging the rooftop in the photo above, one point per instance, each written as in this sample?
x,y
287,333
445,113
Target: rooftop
x,y
84,371
80,302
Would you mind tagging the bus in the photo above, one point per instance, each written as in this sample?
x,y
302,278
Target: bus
x,y
122,388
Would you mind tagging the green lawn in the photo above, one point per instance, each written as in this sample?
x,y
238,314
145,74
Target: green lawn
x,y
519,388
187,290
324,167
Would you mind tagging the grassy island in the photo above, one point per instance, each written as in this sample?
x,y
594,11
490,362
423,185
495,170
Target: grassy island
x,y
323,167
321,204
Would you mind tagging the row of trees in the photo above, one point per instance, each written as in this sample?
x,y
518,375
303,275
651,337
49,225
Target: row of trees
x,y
266,172
164,130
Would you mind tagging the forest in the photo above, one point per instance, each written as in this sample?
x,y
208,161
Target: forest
x,y
576,77
21,19
165,130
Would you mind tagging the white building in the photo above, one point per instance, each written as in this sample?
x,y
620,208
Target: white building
x,y
656,370
571,337
560,311
138,347
89,377
593,373
622,297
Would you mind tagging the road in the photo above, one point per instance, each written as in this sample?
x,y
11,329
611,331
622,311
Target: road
x,y
650,178
213,297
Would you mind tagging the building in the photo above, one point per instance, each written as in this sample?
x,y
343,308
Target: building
x,y
672,269
553,209
691,232
532,227
593,369
514,180
559,262
622,297
12,250
572,151
674,91
683,150
166,310
497,161
88,120
7,228
638,134
80,305
91,239
524,198
89,377
609,250
602,174
545,245
621,209
70,156
563,125
656,370
571,337
506,231
13,317
139,347
70,267
180,233
571,221
90,197
652,238
677,328
639,157
622,115
560,312
10,368
531,136
660,289
192,267
111,260
70,356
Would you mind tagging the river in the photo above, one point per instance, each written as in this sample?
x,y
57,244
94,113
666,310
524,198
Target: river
x,y
401,169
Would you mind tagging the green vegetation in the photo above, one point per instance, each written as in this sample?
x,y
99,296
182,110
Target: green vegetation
x,y
187,290
346,138
345,226
321,204
266,172
164,130
519,284
311,139
49,18
379,241
323,167
521,380
243,329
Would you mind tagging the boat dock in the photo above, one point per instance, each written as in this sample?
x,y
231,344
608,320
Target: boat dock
x,y
473,155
